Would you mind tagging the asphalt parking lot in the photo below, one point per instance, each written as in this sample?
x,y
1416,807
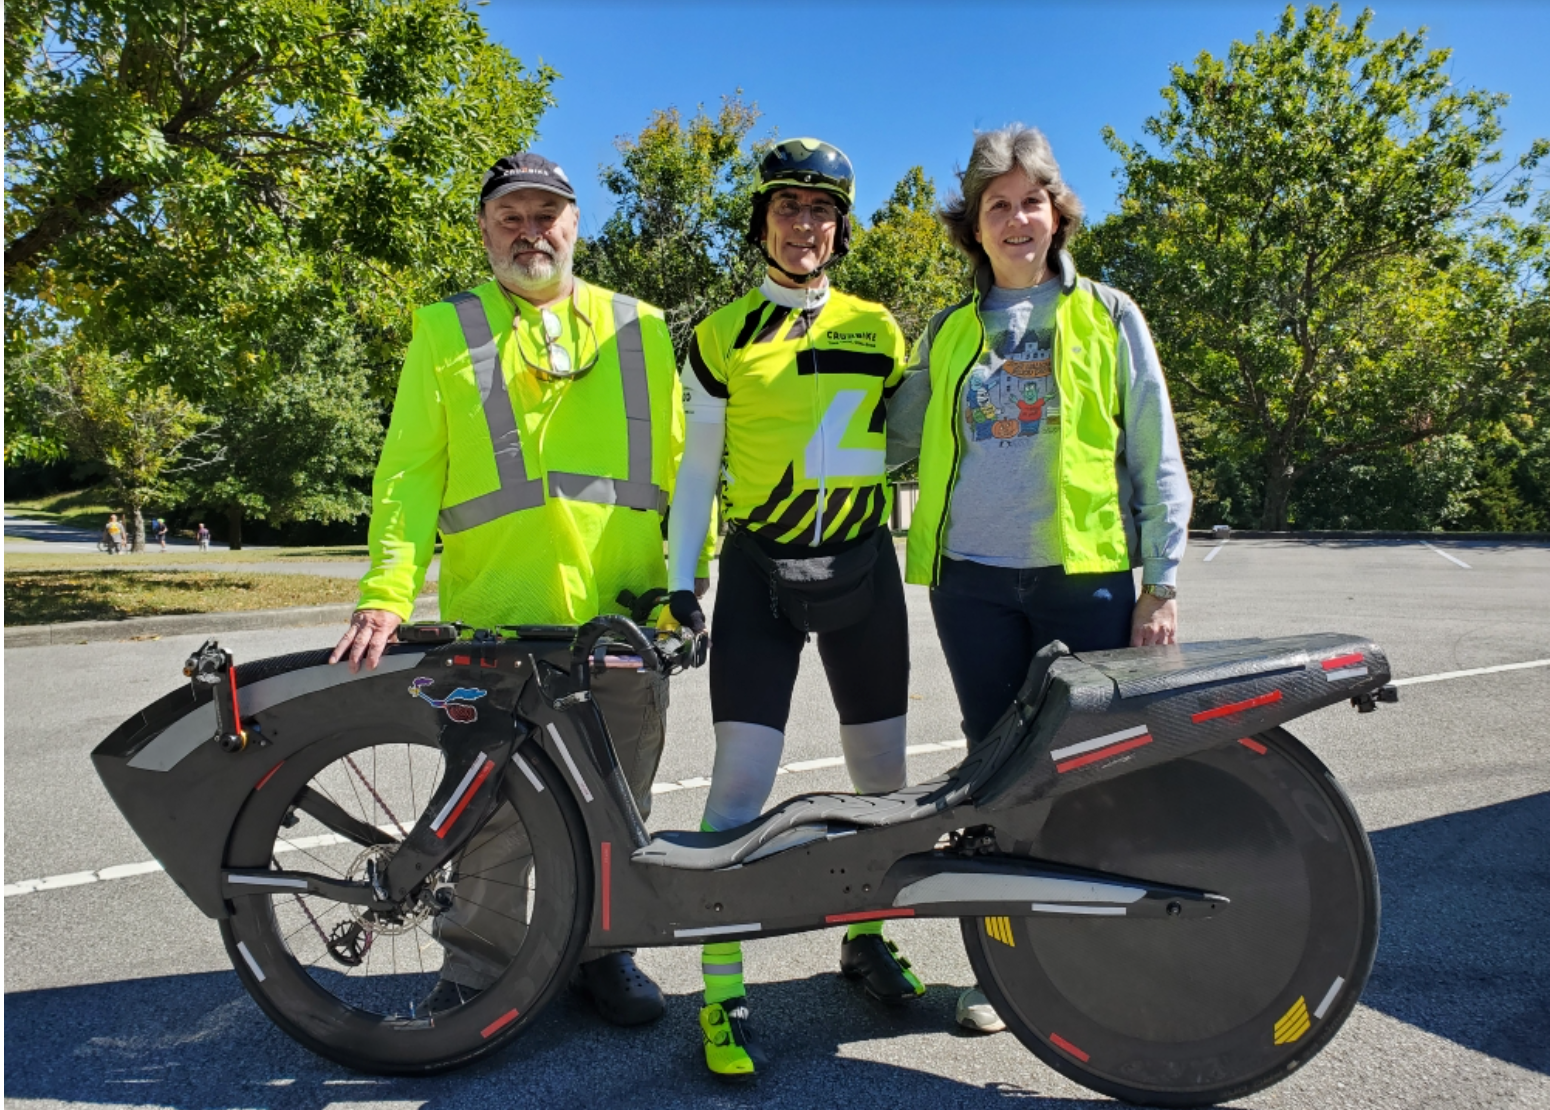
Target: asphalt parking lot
x,y
118,992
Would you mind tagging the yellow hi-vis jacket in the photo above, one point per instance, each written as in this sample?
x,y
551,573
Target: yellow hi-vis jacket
x,y
549,494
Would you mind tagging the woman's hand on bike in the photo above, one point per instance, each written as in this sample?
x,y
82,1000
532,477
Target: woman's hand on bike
x,y
370,631
1154,621
685,607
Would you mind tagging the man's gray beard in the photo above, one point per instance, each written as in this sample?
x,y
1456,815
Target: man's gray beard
x,y
538,277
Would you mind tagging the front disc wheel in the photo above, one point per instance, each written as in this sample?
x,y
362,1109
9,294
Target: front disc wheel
x,y
1190,1012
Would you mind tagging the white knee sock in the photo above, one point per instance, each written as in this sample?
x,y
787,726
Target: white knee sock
x,y
874,755
747,757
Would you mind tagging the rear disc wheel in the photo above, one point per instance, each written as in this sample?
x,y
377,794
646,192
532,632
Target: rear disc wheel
x,y
1190,1012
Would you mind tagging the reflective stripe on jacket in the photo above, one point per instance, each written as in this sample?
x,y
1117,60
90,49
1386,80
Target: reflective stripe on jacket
x,y
549,495
1092,526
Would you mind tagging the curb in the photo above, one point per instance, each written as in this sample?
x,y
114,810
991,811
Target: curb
x,y
182,624
1449,537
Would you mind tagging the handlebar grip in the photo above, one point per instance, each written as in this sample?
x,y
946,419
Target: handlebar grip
x,y
590,633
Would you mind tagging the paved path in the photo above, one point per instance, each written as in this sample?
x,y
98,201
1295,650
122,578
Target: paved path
x,y
119,992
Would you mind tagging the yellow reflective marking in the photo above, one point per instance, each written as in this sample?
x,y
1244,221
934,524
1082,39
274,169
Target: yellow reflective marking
x,y
1294,1023
1000,928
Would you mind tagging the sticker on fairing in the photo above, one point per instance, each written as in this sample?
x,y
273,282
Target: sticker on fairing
x,y
455,705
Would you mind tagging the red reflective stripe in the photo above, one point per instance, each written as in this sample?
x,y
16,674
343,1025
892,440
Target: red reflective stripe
x,y
462,660
1237,707
866,915
236,708
468,796
1253,745
1343,661
499,1023
608,906
1102,753
270,775
1060,1042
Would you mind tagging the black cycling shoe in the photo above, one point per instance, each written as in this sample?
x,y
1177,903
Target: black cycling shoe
x,y
445,995
884,973
622,992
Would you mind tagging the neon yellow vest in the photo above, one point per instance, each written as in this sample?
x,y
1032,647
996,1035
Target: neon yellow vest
x,y
1092,527
805,413
549,495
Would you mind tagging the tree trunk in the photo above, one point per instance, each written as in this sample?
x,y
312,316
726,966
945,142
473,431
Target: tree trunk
x,y
234,527
1279,479
137,529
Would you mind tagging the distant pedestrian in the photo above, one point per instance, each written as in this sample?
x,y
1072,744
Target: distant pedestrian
x,y
115,532
159,530
202,534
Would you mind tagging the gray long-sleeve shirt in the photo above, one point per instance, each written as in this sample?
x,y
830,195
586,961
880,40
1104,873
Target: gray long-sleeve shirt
x,y
1001,509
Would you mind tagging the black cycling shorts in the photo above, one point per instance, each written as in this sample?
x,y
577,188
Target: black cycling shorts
x,y
755,653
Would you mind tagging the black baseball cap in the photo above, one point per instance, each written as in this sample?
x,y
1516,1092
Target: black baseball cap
x,y
525,170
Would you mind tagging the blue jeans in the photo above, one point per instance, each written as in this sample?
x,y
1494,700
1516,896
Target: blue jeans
x,y
992,619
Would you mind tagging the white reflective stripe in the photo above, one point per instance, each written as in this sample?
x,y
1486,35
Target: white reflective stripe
x,y
718,930
581,783
528,771
517,491
1329,997
721,969
260,880
186,733
1345,672
950,887
462,788
1098,742
258,972
1057,907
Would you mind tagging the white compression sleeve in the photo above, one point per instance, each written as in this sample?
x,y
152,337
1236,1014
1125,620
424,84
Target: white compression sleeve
x,y
747,757
874,755
705,432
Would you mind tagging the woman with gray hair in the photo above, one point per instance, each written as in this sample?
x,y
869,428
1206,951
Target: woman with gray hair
x,y
1049,461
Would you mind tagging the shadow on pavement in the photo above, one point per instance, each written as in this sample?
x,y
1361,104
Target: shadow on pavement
x,y
1465,948
1465,955
198,1041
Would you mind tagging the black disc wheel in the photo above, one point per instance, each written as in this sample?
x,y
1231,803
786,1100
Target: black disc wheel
x,y
458,973
1194,1011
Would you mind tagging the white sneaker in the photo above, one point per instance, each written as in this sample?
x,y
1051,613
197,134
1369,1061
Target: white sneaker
x,y
975,1012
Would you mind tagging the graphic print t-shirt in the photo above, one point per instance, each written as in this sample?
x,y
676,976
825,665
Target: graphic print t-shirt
x,y
1003,505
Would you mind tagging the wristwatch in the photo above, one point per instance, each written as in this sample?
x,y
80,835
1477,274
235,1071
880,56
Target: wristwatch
x,y
1162,593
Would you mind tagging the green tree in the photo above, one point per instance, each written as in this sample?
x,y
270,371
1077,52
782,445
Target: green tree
x,y
1299,240
92,402
903,259
245,201
675,237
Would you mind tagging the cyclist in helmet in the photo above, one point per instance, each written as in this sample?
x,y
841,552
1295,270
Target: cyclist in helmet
x,y
790,379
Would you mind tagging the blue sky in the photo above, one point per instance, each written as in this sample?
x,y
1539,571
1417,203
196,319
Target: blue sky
x,y
895,85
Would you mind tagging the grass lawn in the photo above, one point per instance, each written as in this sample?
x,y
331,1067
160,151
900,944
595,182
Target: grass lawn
x,y
153,558
50,596
82,508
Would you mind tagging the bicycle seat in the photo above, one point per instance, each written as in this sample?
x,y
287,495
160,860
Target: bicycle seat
x,y
798,821
1141,672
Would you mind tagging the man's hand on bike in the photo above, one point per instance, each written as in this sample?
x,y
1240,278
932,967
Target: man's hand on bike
x,y
685,607
370,631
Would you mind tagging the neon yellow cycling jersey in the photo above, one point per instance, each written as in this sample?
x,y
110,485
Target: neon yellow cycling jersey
x,y
804,421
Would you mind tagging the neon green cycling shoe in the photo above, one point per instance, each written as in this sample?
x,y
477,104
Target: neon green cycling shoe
x,y
731,1052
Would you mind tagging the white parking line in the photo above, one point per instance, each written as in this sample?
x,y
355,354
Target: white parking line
x,y
1215,551
1445,555
1443,677
699,782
